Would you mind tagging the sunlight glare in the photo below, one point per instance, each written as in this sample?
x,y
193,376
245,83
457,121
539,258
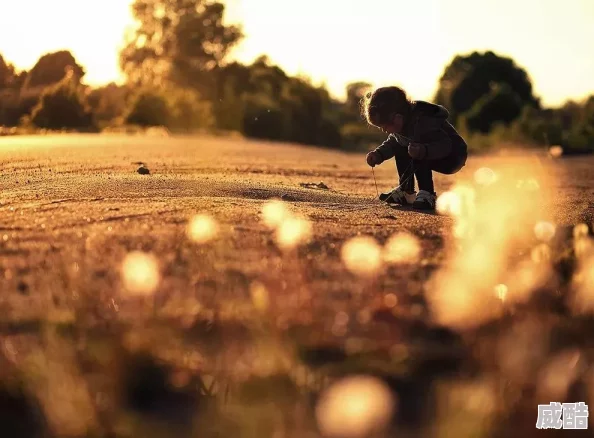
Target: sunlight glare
x,y
544,231
362,255
202,229
402,247
293,231
274,213
353,407
140,273
485,176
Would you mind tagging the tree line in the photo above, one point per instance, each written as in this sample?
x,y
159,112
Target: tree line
x,y
179,76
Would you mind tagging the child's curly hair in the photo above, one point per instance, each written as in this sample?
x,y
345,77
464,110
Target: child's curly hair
x,y
379,107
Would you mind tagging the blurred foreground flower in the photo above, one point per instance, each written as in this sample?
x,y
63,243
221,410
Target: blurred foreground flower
x,y
544,231
556,151
362,255
583,286
559,373
485,176
580,230
202,229
274,213
292,232
355,406
140,272
458,202
259,295
501,291
490,224
402,248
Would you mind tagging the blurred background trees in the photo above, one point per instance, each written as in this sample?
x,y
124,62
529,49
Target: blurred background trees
x,y
179,75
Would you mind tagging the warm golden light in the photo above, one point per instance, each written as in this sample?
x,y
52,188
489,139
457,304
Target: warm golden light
x,y
202,229
355,407
140,272
274,213
556,151
501,291
489,224
402,248
293,231
544,231
485,176
362,255
259,295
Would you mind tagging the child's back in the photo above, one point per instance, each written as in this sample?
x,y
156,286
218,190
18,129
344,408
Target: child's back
x,y
427,124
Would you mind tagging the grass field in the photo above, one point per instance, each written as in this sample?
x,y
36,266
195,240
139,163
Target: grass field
x,y
223,296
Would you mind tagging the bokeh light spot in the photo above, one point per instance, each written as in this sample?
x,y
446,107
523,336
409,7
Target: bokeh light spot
x,y
362,255
140,273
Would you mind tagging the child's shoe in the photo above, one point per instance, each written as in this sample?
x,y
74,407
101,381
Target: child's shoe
x,y
425,200
398,197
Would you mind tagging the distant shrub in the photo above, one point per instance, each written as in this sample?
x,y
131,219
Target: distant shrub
x,y
14,104
108,103
149,108
63,106
359,136
189,112
177,109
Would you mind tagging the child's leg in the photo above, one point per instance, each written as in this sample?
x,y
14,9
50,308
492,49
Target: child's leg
x,y
427,198
448,165
424,176
406,168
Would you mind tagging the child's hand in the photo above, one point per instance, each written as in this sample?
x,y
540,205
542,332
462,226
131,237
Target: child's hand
x,y
374,158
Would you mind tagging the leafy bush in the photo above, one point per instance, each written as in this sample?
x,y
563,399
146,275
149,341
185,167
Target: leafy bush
x,y
63,106
188,112
179,110
149,108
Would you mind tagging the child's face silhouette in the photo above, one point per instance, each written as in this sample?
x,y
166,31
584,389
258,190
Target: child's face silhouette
x,y
395,127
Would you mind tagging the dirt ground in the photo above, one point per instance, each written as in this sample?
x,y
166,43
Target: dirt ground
x,y
73,207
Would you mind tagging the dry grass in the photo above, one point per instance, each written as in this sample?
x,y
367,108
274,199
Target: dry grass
x,y
188,303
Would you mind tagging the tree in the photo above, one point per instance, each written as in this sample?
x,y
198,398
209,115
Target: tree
x,y
108,103
51,68
149,108
177,41
7,74
355,91
63,106
188,111
501,105
468,79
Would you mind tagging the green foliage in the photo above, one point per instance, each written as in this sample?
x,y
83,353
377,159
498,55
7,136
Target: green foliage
x,y
178,79
360,136
7,74
63,106
355,91
469,78
149,108
108,103
179,41
271,105
15,104
179,110
500,105
51,68
188,111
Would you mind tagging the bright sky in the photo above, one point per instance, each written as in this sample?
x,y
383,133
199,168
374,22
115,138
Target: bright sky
x,y
404,42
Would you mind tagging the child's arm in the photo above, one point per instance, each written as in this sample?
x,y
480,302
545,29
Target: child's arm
x,y
434,145
387,149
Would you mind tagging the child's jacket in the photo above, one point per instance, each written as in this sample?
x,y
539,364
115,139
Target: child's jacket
x,y
428,125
